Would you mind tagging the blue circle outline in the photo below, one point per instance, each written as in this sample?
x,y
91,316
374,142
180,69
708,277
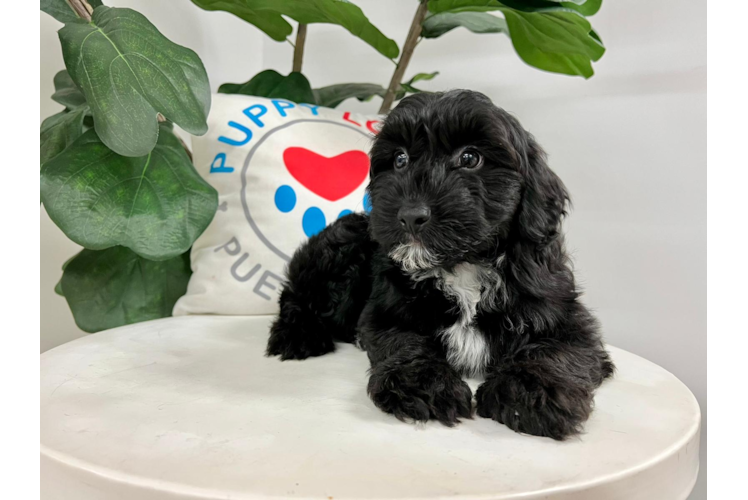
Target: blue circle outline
x,y
247,161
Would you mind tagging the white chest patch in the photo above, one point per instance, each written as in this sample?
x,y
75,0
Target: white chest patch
x,y
470,286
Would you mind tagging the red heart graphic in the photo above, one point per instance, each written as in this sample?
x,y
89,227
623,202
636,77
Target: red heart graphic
x,y
331,178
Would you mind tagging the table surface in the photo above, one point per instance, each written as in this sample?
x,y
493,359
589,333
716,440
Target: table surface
x,y
189,408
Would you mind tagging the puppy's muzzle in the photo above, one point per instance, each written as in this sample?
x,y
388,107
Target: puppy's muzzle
x,y
414,218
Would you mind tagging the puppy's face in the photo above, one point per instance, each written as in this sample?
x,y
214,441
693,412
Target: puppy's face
x,y
447,178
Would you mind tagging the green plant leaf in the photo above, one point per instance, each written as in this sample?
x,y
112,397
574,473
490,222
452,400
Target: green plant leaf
x,y
129,72
408,88
549,35
418,77
267,15
437,6
268,20
67,92
58,286
261,84
332,95
554,41
584,7
156,204
436,25
269,83
116,287
59,9
59,131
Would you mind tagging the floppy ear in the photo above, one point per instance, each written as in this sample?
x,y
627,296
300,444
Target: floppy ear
x,y
544,198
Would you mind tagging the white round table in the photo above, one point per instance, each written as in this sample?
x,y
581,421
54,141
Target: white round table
x,y
189,408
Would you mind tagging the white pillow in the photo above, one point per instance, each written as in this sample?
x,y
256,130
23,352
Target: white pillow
x,y
282,171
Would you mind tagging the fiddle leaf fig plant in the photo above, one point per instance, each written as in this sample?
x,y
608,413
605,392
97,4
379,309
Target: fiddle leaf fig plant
x,y
269,83
144,203
552,35
115,177
67,92
267,15
60,131
64,11
116,286
547,34
437,25
332,95
117,180
129,72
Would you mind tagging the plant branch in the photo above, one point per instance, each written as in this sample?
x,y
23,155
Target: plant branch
x,y
402,65
298,51
82,8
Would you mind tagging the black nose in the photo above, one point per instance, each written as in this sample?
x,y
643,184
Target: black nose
x,y
414,218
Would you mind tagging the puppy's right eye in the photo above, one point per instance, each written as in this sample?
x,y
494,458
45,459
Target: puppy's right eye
x,y
401,160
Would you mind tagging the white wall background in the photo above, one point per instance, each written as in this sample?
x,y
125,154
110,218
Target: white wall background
x,y
630,144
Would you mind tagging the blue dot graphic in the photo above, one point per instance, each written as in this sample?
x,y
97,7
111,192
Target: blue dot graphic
x,y
313,221
285,198
344,213
367,203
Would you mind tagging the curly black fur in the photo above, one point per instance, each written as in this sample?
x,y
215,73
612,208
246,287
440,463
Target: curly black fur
x,y
479,284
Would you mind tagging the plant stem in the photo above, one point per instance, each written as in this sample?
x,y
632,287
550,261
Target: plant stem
x,y
298,51
82,8
402,65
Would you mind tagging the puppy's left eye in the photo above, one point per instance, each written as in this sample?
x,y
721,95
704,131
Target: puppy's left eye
x,y
470,159
401,160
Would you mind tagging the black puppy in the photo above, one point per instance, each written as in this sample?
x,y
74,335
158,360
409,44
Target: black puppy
x,y
460,269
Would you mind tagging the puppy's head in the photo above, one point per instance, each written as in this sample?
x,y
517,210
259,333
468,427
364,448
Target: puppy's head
x,y
453,177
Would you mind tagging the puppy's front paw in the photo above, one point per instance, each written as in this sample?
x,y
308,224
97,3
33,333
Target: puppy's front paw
x,y
522,403
297,342
421,390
